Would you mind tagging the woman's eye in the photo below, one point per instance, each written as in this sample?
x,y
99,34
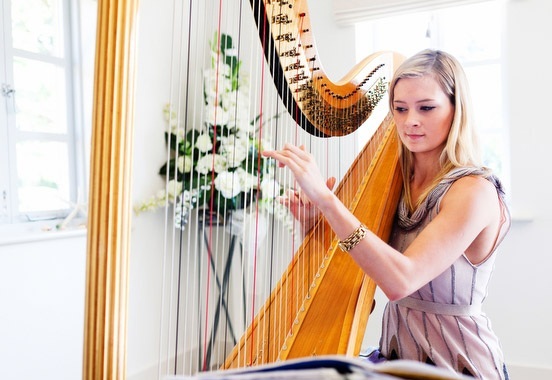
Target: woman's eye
x,y
400,109
427,108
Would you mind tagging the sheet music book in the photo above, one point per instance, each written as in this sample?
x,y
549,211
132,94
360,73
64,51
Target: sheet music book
x,y
331,367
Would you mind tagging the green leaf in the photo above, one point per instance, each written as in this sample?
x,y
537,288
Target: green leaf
x,y
191,136
225,42
173,142
163,170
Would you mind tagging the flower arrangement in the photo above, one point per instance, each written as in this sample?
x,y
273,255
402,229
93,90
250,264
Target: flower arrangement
x,y
219,166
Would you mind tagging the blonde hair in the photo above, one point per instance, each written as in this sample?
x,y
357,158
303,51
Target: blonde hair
x,y
462,148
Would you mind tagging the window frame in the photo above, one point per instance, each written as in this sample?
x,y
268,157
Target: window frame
x,y
73,137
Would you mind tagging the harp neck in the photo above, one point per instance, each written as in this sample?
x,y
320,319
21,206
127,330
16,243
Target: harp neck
x,y
321,106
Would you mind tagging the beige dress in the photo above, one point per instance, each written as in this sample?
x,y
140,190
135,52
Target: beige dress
x,y
442,323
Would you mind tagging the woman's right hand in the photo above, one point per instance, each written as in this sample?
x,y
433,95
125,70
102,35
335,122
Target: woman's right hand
x,y
314,189
300,206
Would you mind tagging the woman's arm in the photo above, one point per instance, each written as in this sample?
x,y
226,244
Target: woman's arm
x,y
468,209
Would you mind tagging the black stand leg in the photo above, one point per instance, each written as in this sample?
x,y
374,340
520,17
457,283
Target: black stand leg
x,y
222,305
223,290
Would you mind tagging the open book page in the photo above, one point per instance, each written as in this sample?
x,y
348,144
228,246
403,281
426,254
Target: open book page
x,y
329,368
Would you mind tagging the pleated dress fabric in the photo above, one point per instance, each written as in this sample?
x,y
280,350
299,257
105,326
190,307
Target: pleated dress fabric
x,y
443,322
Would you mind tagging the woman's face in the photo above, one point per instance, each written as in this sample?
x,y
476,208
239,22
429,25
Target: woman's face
x,y
423,114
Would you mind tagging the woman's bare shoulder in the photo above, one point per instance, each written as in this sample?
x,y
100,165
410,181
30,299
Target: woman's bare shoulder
x,y
472,192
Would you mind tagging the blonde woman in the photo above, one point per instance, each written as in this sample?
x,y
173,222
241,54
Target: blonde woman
x,y
451,219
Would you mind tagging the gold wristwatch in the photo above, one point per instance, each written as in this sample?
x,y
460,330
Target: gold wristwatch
x,y
353,239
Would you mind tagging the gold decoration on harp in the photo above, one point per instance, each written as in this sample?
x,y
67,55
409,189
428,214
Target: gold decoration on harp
x,y
330,108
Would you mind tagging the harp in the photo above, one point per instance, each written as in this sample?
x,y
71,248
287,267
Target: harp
x,y
321,107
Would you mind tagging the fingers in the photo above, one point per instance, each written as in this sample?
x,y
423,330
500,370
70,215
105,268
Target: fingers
x,y
283,157
299,161
284,201
306,173
289,154
300,151
294,196
330,182
287,197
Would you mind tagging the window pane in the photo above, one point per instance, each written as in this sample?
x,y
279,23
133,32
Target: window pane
x,y
37,26
43,176
494,152
486,87
486,93
471,32
406,34
40,96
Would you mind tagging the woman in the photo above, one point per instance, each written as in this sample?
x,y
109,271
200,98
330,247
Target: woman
x,y
451,218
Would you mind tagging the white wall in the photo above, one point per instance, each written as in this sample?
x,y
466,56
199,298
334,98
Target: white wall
x,y
153,91
520,289
42,308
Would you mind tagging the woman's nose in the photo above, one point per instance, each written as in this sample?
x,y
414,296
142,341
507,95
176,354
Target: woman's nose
x,y
412,119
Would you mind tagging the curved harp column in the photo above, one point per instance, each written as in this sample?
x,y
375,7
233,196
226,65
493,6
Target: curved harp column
x,y
327,311
109,209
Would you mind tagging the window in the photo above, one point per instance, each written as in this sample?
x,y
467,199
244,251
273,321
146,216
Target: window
x,y
473,34
42,164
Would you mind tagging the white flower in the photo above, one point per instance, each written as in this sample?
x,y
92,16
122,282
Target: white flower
x,y
248,180
236,99
231,52
170,116
153,203
243,125
172,120
220,163
238,105
227,100
173,189
184,164
204,143
270,188
234,151
227,103
222,68
215,115
188,198
228,184
244,82
205,164
214,84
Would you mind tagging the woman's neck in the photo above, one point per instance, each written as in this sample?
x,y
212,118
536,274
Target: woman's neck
x,y
424,174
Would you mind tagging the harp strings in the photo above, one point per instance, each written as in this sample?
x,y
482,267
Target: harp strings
x,y
169,309
268,104
192,292
208,301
